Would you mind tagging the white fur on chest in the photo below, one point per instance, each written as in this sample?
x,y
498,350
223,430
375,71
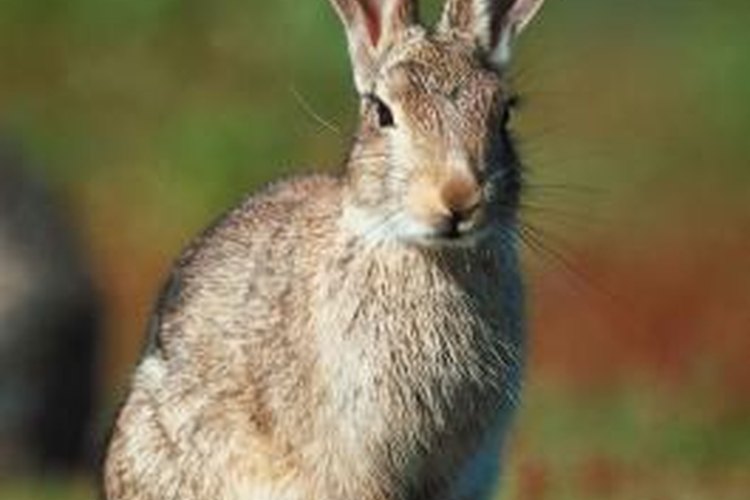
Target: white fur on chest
x,y
400,353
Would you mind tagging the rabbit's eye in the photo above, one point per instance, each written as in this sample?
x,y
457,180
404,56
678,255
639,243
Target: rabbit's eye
x,y
509,107
385,116
505,119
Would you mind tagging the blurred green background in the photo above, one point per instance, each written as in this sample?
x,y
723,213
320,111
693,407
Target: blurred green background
x,y
151,117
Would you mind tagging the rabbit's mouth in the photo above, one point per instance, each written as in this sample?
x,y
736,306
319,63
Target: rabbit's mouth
x,y
446,230
470,239
452,231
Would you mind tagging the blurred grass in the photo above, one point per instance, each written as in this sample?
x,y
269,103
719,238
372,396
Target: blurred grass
x,y
624,445
46,489
154,116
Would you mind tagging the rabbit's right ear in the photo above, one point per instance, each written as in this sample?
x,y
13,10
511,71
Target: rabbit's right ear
x,y
371,27
493,23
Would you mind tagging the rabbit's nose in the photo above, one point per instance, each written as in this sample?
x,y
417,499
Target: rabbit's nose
x,y
461,195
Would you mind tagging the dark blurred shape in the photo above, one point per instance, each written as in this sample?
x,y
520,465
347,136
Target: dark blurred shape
x,y
48,329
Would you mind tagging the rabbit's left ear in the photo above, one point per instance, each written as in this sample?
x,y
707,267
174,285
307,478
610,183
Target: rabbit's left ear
x,y
494,23
371,27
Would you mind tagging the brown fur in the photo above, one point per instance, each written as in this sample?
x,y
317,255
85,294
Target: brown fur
x,y
325,340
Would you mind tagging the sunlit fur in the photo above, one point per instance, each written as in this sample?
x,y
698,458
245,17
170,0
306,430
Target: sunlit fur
x,y
326,340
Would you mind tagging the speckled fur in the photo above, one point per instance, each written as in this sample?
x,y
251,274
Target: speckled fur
x,y
307,348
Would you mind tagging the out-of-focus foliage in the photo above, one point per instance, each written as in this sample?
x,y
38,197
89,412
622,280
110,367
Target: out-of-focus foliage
x,y
154,116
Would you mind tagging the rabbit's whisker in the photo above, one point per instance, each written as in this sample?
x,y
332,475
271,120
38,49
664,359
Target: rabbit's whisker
x,y
305,105
538,241
537,188
375,234
570,216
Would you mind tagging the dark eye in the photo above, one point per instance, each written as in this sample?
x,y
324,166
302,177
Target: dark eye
x,y
509,107
505,119
385,116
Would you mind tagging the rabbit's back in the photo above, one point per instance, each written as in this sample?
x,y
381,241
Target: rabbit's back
x,y
240,278
226,368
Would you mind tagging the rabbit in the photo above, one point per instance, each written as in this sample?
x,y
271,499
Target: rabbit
x,y
361,335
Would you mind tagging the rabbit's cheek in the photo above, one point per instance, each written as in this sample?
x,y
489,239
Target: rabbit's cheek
x,y
375,227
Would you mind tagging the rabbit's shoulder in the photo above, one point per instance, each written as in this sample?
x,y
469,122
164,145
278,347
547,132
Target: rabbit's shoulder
x,y
258,217
262,222
248,260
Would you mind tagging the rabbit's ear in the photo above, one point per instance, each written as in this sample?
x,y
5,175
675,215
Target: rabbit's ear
x,y
494,23
371,27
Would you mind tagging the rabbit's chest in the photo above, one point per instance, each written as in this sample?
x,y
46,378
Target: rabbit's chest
x,y
428,377
417,368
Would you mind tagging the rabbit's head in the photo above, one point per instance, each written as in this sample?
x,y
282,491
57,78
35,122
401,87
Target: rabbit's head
x,y
432,162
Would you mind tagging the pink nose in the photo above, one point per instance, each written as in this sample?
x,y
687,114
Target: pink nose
x,y
461,196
